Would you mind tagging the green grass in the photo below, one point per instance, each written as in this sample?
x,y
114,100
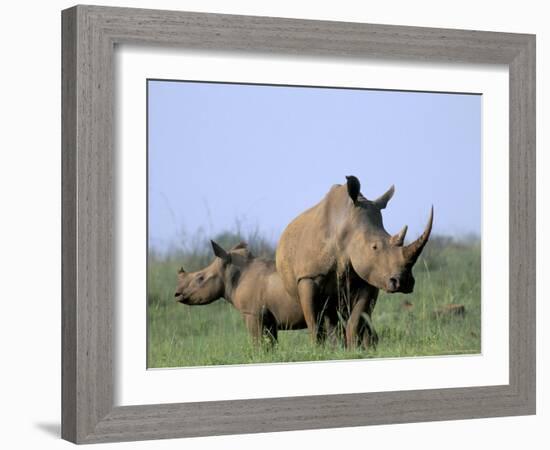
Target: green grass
x,y
447,273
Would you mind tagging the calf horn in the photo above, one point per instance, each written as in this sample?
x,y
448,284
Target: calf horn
x,y
399,238
413,250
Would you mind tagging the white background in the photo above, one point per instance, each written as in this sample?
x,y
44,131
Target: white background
x,y
30,225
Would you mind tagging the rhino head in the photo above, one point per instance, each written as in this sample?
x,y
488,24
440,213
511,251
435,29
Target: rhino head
x,y
382,260
211,283
201,287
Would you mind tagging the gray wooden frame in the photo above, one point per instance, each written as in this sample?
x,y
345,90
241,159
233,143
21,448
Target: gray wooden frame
x,y
89,34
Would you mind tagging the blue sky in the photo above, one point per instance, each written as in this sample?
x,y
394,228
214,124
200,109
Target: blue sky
x,y
258,154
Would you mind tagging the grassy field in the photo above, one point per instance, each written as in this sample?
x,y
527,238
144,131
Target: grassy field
x,y
448,272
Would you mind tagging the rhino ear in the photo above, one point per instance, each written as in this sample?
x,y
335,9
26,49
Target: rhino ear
x,y
383,200
354,187
220,252
240,245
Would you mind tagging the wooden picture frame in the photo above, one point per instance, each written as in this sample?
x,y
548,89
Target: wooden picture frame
x,y
89,34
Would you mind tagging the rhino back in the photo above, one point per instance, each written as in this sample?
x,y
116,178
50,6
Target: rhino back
x,y
309,245
251,286
261,285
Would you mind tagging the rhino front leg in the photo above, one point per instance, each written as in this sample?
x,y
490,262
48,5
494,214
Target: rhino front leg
x,y
254,327
268,326
262,327
356,323
370,338
307,293
359,329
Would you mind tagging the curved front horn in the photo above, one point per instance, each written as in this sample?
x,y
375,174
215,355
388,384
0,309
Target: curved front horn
x,y
413,250
399,238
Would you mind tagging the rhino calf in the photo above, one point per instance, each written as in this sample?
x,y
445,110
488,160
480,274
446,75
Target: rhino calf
x,y
250,284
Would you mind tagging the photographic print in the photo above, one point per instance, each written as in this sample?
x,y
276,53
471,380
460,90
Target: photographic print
x,y
310,223
300,223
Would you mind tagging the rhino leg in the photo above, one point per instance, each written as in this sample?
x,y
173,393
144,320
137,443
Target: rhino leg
x,y
308,293
254,327
359,329
370,337
262,327
372,332
332,331
268,326
355,325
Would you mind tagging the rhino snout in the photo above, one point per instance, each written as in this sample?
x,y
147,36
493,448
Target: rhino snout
x,y
399,283
180,298
393,284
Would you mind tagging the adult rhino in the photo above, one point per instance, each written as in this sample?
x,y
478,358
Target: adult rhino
x,y
339,249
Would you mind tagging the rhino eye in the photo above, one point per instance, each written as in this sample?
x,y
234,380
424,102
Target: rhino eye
x,y
374,246
200,279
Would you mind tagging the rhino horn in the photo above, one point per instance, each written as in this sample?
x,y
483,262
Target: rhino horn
x,y
382,201
413,250
399,238
181,270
